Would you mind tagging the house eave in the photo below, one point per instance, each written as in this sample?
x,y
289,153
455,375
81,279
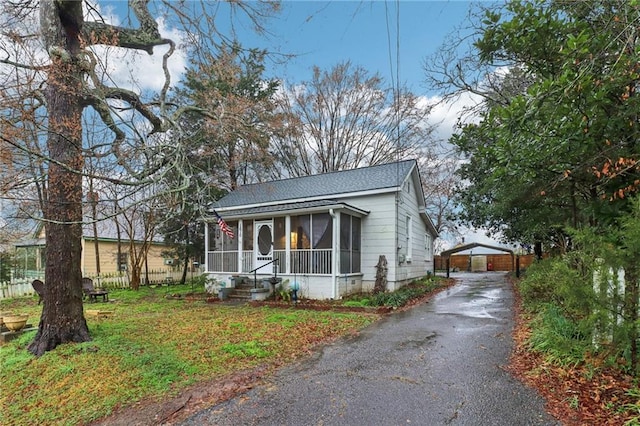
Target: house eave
x,y
269,209
221,209
427,220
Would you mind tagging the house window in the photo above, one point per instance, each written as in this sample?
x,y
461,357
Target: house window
x,y
349,244
123,261
409,227
428,244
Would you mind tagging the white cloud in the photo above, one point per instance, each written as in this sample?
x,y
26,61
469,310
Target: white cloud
x,y
445,115
139,71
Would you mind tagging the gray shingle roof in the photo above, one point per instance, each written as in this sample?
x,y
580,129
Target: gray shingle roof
x,y
372,178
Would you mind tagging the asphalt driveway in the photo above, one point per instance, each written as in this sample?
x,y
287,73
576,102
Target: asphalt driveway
x,y
439,363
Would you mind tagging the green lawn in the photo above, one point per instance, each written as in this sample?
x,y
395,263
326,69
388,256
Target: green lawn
x,y
151,347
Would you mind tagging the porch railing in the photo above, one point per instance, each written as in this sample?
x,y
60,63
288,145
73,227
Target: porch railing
x,y
311,261
307,261
223,261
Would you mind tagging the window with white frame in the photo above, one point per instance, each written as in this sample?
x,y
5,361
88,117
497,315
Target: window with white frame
x,y
123,261
409,228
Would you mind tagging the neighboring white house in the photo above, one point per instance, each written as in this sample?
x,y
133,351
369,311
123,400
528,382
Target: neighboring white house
x,y
326,232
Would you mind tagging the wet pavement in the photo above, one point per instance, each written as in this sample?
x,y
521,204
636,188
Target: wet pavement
x,y
440,363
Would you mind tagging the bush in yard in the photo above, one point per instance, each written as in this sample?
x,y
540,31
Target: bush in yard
x,y
557,281
588,299
563,340
396,298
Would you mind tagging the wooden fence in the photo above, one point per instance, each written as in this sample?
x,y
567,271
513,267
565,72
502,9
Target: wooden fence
x,y
18,287
498,262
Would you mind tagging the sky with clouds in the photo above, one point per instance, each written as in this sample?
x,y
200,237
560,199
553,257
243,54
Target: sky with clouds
x,y
389,38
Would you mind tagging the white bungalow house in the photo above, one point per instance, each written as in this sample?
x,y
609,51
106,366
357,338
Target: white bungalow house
x,y
326,232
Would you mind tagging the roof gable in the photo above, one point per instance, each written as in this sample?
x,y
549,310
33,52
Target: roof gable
x,y
327,185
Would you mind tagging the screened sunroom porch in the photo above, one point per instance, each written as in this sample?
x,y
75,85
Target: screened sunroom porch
x,y
321,243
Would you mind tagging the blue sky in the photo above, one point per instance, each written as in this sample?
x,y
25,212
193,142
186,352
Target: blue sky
x,y
325,33
389,37
365,32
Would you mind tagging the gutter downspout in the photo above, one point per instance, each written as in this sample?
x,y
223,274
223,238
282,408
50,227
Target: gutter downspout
x,y
335,262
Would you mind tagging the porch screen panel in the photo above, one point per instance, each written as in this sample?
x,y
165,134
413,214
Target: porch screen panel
x,y
219,241
215,244
356,243
322,227
279,234
322,235
280,244
350,244
227,242
301,244
345,243
223,251
300,232
247,235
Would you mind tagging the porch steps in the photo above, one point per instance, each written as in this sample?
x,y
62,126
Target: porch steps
x,y
242,291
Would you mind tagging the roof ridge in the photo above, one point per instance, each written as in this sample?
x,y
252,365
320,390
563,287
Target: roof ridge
x,y
371,178
328,173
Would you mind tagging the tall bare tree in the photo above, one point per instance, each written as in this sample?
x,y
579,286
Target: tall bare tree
x,y
345,118
64,62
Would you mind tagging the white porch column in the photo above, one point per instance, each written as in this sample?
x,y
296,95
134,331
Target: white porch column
x,y
206,247
335,252
239,241
287,247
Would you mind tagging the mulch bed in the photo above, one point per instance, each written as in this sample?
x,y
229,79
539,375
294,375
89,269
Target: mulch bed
x,y
330,305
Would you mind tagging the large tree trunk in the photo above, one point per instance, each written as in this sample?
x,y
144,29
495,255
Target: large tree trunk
x,y
134,282
185,269
62,318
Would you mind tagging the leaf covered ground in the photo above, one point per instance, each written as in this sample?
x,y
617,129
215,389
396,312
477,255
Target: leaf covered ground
x,y
158,360
153,349
581,395
162,355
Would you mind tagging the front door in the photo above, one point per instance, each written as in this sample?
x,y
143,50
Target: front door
x,y
264,246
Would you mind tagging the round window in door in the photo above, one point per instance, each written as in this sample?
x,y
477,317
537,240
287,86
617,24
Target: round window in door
x,y
264,240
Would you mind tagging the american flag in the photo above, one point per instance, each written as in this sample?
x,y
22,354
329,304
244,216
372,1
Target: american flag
x,y
223,225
